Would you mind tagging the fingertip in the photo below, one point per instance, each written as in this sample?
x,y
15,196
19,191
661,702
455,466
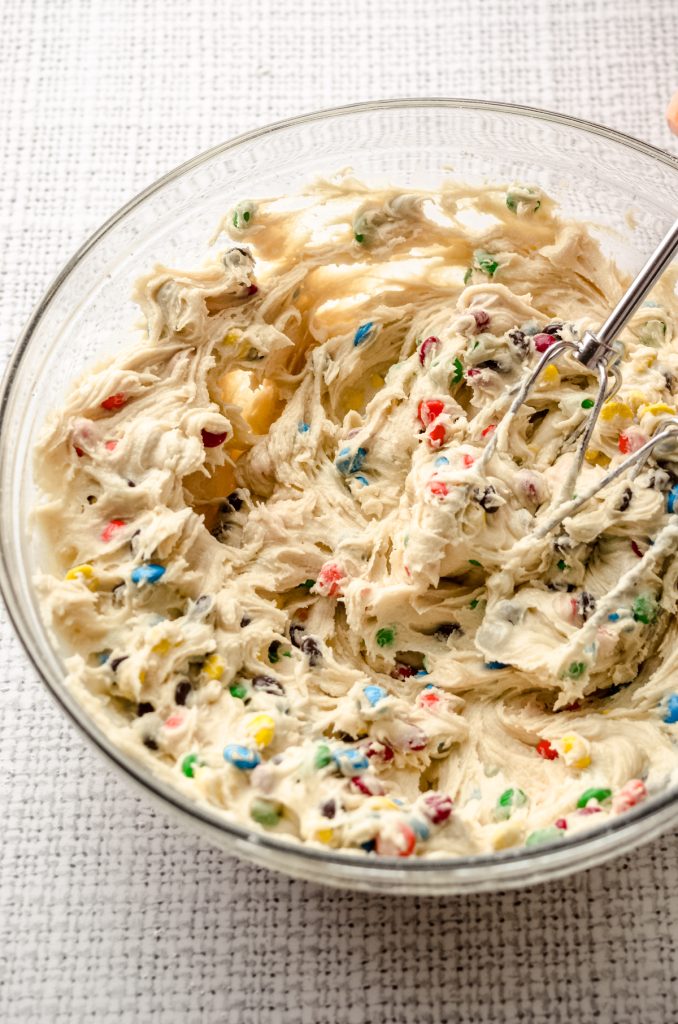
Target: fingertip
x,y
672,113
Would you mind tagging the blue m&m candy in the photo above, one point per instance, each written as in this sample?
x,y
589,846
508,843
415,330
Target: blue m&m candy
x,y
241,757
420,828
350,462
350,761
374,693
672,498
671,709
148,573
362,332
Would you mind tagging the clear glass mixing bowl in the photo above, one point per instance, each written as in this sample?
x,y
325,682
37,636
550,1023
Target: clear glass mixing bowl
x,y
626,189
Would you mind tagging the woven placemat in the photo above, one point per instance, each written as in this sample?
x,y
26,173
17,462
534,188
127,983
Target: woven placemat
x,y
108,912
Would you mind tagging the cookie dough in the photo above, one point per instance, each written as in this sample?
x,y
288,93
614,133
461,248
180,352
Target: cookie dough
x,y
285,577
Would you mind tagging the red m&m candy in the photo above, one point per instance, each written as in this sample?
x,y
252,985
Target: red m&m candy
x,y
379,750
428,410
398,841
631,440
545,750
426,347
437,806
111,529
439,488
429,700
436,435
368,785
211,440
544,341
114,401
329,579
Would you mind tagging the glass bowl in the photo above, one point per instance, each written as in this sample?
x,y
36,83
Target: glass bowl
x,y
626,189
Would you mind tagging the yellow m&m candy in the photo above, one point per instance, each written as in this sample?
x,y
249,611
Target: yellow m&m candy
x,y
657,409
213,667
83,572
550,375
575,751
261,728
612,409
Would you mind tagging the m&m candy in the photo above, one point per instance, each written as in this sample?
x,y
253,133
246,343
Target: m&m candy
x,y
374,694
671,709
437,806
350,761
509,801
114,401
212,440
261,728
265,812
544,835
329,580
545,750
398,840
189,764
426,347
151,572
241,757
362,333
428,410
629,795
109,531
599,795
349,461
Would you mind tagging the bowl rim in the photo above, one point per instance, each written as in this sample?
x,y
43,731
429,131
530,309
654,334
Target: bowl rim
x,y
544,861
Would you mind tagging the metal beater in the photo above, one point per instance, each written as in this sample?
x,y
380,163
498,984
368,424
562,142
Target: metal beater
x,y
597,354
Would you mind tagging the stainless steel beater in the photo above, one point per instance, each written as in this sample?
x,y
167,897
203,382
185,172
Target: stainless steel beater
x,y
597,354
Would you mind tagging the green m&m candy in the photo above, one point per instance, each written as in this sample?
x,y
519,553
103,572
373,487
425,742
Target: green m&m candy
x,y
509,801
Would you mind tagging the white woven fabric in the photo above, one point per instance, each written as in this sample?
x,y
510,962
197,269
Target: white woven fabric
x,y
108,912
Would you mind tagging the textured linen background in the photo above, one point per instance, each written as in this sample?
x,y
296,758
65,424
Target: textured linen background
x,y
107,911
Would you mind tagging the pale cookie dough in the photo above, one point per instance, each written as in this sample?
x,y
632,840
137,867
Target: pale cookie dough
x,y
285,581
